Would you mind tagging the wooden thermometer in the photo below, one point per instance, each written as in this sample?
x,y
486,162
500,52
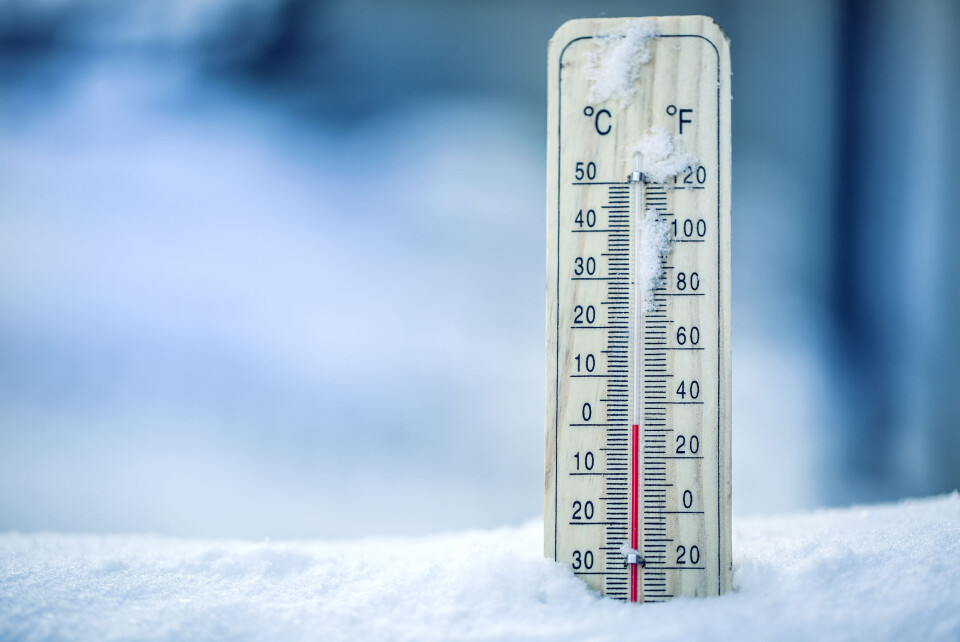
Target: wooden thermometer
x,y
638,306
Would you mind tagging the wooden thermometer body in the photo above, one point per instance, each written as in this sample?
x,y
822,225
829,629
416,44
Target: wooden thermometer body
x,y
637,487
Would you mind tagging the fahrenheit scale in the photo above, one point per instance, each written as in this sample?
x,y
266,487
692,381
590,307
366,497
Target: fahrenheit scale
x,y
638,306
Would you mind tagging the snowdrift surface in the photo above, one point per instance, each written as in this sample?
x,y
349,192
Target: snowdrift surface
x,y
876,573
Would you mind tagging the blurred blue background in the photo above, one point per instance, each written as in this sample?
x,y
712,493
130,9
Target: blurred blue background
x,y
277,268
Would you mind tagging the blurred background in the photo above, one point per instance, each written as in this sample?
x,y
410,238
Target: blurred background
x,y
277,268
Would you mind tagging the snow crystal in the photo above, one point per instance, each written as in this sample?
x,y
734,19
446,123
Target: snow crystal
x,y
626,550
871,573
660,155
653,245
613,66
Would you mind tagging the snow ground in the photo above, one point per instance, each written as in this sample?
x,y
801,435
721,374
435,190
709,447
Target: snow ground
x,y
889,572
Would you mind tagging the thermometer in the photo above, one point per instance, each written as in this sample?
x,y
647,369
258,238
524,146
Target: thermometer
x,y
637,484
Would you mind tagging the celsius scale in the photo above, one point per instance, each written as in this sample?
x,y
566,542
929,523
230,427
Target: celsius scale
x,y
637,488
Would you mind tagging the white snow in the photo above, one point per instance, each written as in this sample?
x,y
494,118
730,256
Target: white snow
x,y
653,245
660,155
613,66
870,573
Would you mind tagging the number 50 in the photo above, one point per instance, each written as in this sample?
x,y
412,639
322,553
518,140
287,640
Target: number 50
x,y
588,170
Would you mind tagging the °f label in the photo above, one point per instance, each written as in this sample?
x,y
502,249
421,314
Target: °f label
x,y
638,306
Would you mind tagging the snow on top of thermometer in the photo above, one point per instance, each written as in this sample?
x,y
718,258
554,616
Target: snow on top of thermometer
x,y
661,155
653,244
613,66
